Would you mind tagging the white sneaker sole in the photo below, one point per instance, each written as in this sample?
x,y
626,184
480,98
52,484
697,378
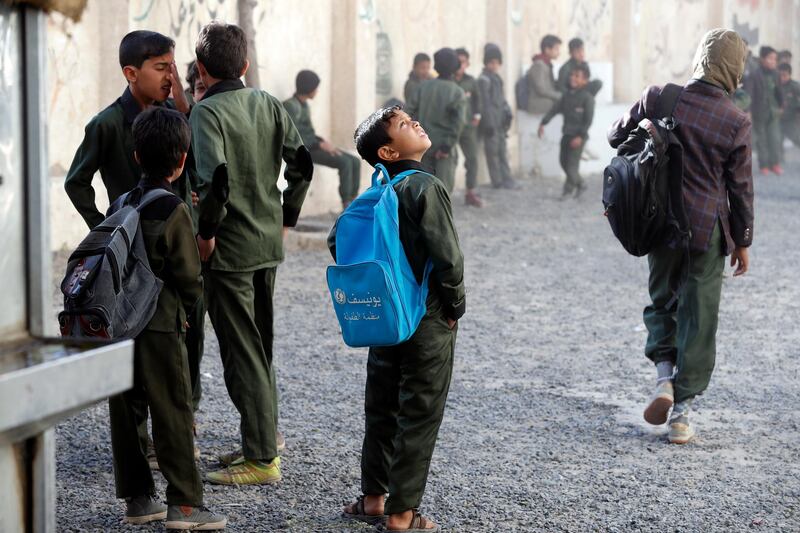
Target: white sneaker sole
x,y
144,519
656,413
194,526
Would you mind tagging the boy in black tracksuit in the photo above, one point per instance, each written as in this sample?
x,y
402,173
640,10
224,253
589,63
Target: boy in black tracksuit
x,y
407,384
161,366
577,106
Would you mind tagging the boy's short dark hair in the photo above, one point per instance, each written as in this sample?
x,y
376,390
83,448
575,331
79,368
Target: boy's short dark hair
x,y
160,137
764,51
583,68
549,41
191,75
373,133
785,67
140,45
785,55
462,52
222,49
421,58
575,44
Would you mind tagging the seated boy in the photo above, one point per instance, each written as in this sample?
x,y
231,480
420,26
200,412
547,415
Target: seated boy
x,y
322,152
577,106
407,384
161,366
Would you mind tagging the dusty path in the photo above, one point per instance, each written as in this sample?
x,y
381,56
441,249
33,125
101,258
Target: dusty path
x,y
543,429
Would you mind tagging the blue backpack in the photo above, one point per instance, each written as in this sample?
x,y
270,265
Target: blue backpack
x,y
374,291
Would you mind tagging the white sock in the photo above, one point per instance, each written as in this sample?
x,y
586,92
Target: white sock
x,y
665,370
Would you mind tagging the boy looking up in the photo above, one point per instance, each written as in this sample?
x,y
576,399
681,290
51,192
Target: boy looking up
x,y
420,71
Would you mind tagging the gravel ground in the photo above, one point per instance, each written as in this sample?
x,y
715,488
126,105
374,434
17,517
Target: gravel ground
x,y
543,429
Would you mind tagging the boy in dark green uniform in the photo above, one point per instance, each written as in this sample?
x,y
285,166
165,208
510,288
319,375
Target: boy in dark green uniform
x,y
790,117
420,71
577,106
147,60
407,384
249,131
440,105
322,152
577,56
764,89
161,371
469,135
495,118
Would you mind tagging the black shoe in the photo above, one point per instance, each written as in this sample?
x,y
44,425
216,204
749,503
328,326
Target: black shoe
x,y
580,191
511,184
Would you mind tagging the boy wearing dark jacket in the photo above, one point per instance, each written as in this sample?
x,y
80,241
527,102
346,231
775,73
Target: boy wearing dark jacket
x,y
495,118
407,384
765,92
161,366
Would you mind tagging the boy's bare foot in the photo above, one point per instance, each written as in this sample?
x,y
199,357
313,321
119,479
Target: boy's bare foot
x,y
367,508
410,520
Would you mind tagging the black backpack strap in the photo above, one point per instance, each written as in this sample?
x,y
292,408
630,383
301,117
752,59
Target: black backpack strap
x,y
668,100
151,196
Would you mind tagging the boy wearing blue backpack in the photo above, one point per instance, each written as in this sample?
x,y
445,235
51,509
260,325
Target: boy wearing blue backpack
x,y
407,384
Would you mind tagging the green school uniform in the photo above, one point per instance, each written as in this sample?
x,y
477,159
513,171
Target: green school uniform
x,y
407,384
790,118
564,73
577,106
440,106
251,133
469,135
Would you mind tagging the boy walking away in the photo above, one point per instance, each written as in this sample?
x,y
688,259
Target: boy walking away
x,y
495,118
469,135
249,131
790,117
147,61
577,56
407,384
322,152
440,105
161,373
577,106
764,89
718,199
420,71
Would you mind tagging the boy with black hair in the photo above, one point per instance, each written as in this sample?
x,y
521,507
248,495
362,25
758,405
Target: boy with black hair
x,y
785,56
543,95
407,384
249,131
147,61
790,116
161,367
495,118
420,71
577,106
764,88
195,89
322,152
469,135
440,105
577,56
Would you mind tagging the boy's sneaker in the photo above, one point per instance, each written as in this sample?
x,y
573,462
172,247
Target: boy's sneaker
x,y
234,456
247,472
777,170
657,410
194,518
144,509
471,198
680,431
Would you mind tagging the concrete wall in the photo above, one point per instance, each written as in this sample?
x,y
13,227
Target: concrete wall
x,y
631,43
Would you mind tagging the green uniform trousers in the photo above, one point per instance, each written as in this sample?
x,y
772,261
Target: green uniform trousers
x,y
791,131
195,339
161,381
685,333
444,169
496,151
570,159
469,145
240,308
768,139
349,168
406,391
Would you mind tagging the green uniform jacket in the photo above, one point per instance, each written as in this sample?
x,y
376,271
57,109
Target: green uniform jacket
x,y
427,231
791,102
440,105
562,84
578,110
108,147
250,132
169,240
411,86
496,114
472,92
301,116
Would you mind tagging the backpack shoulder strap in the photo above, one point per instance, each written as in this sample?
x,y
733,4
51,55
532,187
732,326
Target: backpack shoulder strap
x,y
151,196
668,100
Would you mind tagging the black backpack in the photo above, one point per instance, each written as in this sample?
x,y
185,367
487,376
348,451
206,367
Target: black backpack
x,y
643,185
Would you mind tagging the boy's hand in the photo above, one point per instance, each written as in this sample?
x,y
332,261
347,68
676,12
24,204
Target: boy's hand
x,y
476,120
451,323
181,103
284,232
206,247
441,155
328,147
741,256
540,133
195,199
576,142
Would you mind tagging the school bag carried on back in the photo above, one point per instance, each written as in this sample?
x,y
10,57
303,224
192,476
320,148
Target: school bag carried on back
x,y
375,294
109,289
643,185
521,93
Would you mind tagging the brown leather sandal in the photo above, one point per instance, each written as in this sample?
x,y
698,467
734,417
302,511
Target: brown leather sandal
x,y
417,525
360,514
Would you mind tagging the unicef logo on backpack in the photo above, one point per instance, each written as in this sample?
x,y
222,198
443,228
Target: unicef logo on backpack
x,y
341,299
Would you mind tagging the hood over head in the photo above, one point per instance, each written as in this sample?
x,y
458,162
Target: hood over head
x,y
720,59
